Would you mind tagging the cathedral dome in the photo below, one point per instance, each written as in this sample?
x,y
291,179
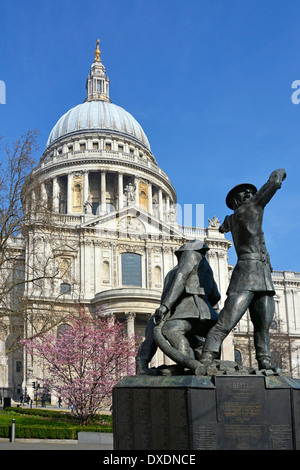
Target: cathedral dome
x,y
98,159
97,116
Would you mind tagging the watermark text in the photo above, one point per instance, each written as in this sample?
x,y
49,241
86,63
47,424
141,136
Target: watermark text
x,y
295,95
2,92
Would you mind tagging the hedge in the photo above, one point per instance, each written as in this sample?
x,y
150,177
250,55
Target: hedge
x,y
60,430
52,414
39,432
44,432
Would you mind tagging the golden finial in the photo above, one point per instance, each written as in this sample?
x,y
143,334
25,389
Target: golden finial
x,y
97,52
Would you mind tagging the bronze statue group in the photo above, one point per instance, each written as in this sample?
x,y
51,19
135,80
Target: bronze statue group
x,y
186,326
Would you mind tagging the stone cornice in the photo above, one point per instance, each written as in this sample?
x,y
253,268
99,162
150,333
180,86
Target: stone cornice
x,y
221,244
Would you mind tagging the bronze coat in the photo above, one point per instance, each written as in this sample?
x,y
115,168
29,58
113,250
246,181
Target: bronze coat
x,y
253,269
190,290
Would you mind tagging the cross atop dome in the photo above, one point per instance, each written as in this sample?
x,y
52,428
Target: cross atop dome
x,y
97,52
97,84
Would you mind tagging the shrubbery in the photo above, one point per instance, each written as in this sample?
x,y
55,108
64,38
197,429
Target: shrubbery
x,y
59,415
58,425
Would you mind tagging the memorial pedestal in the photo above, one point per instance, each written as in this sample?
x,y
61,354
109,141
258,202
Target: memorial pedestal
x,y
238,412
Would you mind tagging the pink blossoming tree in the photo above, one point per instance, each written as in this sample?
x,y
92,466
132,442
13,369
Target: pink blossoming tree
x,y
84,363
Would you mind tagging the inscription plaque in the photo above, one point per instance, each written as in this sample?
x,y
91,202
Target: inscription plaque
x,y
203,418
205,437
226,413
151,418
241,399
280,426
241,412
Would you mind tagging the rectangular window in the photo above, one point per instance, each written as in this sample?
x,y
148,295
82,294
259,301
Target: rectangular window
x,y
131,269
95,145
95,206
82,146
65,289
108,146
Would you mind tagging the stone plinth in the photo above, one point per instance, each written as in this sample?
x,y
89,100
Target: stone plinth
x,y
238,412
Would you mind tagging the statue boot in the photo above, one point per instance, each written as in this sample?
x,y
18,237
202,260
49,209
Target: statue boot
x,y
264,363
142,367
207,358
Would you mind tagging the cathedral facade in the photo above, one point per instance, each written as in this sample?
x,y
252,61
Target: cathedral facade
x,y
112,234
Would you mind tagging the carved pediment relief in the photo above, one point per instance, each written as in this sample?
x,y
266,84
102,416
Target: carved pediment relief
x,y
132,220
130,223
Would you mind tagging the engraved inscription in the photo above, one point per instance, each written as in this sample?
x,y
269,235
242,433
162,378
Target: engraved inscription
x,y
242,411
159,407
125,436
125,405
243,436
178,408
142,409
241,408
241,401
206,438
280,436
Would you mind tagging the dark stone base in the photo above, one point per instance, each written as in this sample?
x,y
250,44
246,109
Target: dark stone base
x,y
221,412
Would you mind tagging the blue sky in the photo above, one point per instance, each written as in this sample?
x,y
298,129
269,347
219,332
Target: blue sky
x,y
209,82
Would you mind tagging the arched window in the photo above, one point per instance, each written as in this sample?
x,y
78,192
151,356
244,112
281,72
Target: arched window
x,y
77,195
62,328
238,356
143,200
131,269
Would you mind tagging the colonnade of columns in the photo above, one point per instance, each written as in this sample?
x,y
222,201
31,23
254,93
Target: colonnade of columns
x,y
162,202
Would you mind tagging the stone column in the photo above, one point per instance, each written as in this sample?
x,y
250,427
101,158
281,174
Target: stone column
x,y
32,203
130,316
150,206
167,214
55,195
120,191
85,186
69,194
136,183
103,192
43,194
160,204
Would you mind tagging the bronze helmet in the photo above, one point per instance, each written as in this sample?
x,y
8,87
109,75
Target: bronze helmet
x,y
236,189
193,245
